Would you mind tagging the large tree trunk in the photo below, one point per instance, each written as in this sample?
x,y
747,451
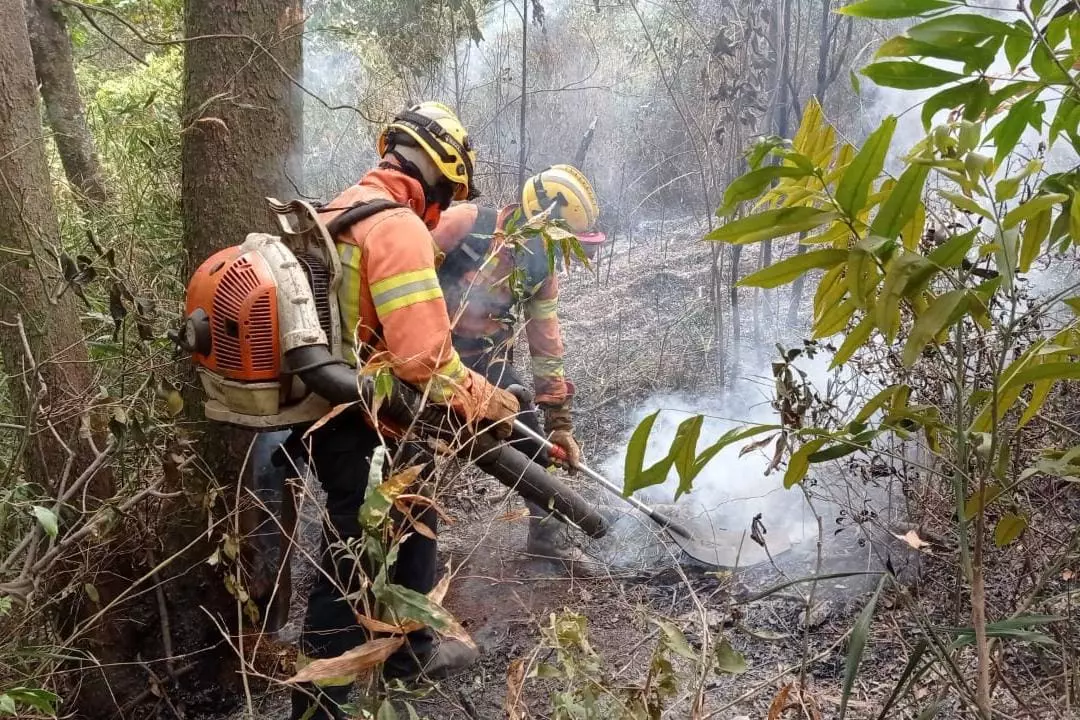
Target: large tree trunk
x,y
241,143
63,106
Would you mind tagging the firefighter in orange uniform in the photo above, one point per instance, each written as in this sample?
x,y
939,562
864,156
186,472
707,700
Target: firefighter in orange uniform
x,y
391,306
488,281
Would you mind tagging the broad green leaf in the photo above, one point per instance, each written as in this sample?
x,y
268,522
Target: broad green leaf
x,y
948,99
904,270
1031,208
902,203
1074,218
800,462
912,232
771,224
1006,189
966,204
7,705
751,184
47,519
1009,528
943,312
1007,132
952,252
1045,371
980,56
386,711
864,169
1049,71
876,403
1017,47
904,75
856,646
1006,255
684,451
862,272
834,320
960,29
674,639
730,437
762,148
729,661
892,9
1066,118
1039,393
853,341
408,604
787,270
843,448
855,85
635,477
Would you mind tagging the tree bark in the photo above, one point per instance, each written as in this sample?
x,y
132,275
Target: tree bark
x,y
241,143
55,68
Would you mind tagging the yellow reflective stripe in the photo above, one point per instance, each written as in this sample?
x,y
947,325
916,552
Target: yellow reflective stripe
x,y
547,367
349,297
446,380
543,309
302,661
405,289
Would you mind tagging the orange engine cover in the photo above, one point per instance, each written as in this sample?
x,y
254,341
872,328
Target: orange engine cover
x,y
238,292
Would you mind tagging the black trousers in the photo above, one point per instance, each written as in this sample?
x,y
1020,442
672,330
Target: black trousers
x,y
499,370
341,454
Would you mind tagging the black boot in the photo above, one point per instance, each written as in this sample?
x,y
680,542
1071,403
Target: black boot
x,y
310,702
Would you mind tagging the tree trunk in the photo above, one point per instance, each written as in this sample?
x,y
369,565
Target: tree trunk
x,y
51,381
55,69
241,143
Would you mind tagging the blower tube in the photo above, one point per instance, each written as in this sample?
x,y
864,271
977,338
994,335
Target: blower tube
x,y
336,381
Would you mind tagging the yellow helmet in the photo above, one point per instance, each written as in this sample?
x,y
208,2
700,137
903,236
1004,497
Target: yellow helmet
x,y
435,129
566,188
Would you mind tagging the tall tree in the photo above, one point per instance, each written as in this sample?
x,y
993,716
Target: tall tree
x,y
241,143
242,113
55,70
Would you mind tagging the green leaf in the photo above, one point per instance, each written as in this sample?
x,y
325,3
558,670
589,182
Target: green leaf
x,y
1031,208
41,700
674,640
751,184
980,56
855,184
729,661
787,270
1017,46
911,672
952,252
800,462
949,99
1039,393
855,85
47,519
1009,528
892,9
980,500
1006,134
771,224
635,478
1042,62
854,340
406,604
876,403
834,320
1074,218
906,270
761,149
1045,371
7,705
943,312
966,204
856,646
683,453
959,28
1005,255
901,204
1066,118
904,75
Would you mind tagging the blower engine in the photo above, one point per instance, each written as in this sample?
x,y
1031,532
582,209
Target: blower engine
x,y
263,329
262,319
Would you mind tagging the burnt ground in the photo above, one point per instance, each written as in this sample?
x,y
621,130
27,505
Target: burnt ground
x,y
638,325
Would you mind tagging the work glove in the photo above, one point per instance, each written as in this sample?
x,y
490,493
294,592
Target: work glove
x,y
501,409
560,432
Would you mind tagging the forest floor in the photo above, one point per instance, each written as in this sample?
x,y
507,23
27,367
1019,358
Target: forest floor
x,y
639,329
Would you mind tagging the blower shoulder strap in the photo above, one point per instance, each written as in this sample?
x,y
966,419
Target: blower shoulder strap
x,y
470,254
356,212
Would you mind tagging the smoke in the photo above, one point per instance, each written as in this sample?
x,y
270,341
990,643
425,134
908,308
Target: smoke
x,y
734,488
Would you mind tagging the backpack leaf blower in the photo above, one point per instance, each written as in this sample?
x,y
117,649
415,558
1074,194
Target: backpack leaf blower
x,y
263,330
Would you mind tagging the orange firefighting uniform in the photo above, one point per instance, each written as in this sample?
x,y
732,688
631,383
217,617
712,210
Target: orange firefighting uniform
x,y
482,304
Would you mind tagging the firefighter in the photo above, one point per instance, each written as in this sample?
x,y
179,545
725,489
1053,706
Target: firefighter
x,y
488,282
392,310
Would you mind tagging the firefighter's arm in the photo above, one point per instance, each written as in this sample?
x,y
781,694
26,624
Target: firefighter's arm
x,y
400,269
545,343
455,223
